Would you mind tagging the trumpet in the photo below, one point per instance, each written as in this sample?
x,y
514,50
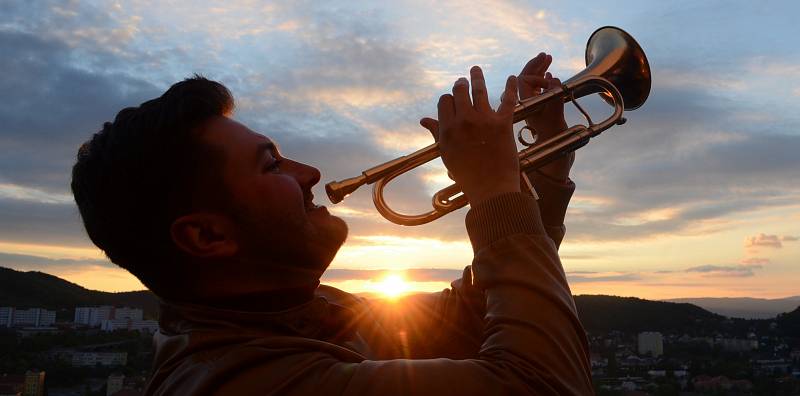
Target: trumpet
x,y
616,69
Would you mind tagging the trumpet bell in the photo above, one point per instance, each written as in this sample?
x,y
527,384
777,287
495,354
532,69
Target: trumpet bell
x,y
613,54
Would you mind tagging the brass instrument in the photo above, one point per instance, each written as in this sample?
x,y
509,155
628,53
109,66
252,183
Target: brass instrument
x,y
617,69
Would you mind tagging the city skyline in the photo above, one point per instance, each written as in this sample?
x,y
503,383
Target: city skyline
x,y
697,195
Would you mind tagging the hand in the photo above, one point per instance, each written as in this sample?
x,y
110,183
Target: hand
x,y
476,142
550,121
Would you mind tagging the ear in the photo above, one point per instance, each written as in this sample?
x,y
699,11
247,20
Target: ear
x,y
205,235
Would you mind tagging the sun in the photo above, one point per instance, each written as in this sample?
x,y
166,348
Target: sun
x,y
392,286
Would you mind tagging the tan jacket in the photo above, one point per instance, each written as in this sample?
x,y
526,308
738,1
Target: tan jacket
x,y
508,327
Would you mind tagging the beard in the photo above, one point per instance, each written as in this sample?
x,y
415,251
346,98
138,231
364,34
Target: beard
x,y
291,247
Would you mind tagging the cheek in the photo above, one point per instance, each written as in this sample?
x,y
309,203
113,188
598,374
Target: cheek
x,y
280,196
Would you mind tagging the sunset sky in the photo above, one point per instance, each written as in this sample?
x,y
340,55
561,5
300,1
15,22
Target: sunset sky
x,y
697,195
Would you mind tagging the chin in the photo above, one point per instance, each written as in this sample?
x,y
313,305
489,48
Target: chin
x,y
330,233
336,232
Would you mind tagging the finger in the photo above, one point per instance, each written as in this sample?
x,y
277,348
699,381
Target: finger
x,y
543,65
533,81
509,99
446,111
533,65
530,85
432,126
461,96
479,96
546,64
552,82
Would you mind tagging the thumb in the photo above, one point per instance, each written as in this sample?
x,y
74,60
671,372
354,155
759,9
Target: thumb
x,y
432,126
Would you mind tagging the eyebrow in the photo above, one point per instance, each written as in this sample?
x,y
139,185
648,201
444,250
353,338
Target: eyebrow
x,y
265,147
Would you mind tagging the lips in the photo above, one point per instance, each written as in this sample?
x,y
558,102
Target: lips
x,y
309,203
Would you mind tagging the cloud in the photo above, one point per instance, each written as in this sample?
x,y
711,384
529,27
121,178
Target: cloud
x,y
594,277
24,262
725,270
755,261
411,274
679,166
341,86
24,221
763,240
21,193
448,275
57,106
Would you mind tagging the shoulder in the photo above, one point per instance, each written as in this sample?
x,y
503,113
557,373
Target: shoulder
x,y
340,297
215,363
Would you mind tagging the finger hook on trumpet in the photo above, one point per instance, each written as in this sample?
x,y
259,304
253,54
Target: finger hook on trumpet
x,y
521,136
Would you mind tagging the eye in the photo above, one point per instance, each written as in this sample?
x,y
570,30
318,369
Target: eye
x,y
274,166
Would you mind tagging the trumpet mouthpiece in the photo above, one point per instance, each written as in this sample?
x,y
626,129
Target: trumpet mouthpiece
x,y
339,190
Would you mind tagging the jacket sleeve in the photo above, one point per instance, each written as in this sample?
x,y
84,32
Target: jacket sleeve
x,y
554,197
450,323
532,344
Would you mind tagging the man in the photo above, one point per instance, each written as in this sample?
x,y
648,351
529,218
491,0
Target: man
x,y
222,227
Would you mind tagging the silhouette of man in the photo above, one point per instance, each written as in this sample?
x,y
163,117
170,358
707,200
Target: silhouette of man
x,y
222,227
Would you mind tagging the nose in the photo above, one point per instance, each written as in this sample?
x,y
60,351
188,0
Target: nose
x,y
306,175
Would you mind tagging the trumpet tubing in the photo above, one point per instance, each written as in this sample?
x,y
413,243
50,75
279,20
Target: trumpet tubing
x,y
617,69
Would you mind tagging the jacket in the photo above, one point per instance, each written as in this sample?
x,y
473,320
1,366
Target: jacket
x,y
509,326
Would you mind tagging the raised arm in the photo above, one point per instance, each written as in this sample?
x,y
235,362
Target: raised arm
x,y
533,342
552,182
450,323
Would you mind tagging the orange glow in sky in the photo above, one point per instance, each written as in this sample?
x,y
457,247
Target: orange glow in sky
x,y
392,286
697,195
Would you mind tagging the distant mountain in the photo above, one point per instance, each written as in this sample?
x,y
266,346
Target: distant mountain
x,y
600,314
37,289
745,307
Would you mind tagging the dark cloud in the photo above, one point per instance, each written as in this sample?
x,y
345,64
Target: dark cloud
x,y
55,107
763,240
34,222
411,274
24,262
726,271
683,151
588,277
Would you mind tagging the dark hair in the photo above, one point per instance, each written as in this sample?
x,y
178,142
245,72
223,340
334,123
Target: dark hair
x,y
142,171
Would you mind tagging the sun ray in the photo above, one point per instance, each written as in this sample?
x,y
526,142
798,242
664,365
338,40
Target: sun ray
x,y
392,286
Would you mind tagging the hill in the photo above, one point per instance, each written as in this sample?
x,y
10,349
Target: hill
x,y
597,312
37,289
600,314
744,307
790,322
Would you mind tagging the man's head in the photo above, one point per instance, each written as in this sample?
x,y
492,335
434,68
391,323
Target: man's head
x,y
193,203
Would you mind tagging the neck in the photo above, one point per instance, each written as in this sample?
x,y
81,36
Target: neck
x,y
265,301
258,287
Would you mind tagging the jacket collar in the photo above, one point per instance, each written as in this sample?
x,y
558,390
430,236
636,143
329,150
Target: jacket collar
x,y
317,318
304,320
